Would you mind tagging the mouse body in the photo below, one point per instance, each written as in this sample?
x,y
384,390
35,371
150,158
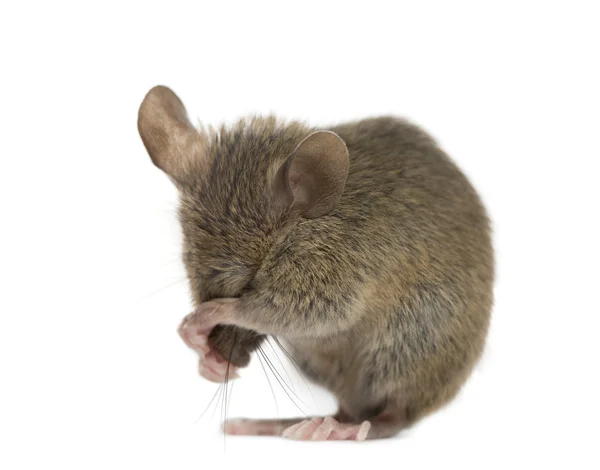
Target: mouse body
x,y
362,246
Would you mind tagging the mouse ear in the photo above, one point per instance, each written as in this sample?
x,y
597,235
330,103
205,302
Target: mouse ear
x,y
313,177
173,143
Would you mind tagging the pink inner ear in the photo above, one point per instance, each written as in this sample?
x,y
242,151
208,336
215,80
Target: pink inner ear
x,y
294,178
301,185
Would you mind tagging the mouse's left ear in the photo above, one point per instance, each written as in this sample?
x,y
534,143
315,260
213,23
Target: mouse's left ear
x,y
173,143
313,177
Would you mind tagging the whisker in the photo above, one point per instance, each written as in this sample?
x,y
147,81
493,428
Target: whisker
x,y
296,366
274,371
215,408
280,362
171,260
209,403
226,401
260,353
223,405
282,382
233,345
165,287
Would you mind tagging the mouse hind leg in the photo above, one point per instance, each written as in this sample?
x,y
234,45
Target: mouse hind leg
x,y
379,421
387,424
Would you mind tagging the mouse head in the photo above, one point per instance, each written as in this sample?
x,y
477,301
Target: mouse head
x,y
241,188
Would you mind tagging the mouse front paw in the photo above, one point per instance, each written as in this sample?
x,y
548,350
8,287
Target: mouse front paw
x,y
212,365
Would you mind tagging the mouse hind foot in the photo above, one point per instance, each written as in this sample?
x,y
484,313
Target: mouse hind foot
x,y
311,429
384,425
327,429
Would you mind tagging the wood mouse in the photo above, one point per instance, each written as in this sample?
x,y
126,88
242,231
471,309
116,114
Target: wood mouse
x,y
362,245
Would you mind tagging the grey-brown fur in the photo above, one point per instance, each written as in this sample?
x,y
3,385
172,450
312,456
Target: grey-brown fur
x,y
385,300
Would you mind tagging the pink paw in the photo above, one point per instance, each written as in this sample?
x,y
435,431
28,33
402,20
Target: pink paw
x,y
327,429
213,366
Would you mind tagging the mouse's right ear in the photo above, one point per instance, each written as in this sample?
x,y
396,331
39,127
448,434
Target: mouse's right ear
x,y
173,143
312,179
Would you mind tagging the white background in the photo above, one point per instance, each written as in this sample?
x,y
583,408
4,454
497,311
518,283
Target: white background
x,y
93,374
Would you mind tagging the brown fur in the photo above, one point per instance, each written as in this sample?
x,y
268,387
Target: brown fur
x,y
385,299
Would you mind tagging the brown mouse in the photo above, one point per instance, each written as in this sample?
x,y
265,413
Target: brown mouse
x,y
361,245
